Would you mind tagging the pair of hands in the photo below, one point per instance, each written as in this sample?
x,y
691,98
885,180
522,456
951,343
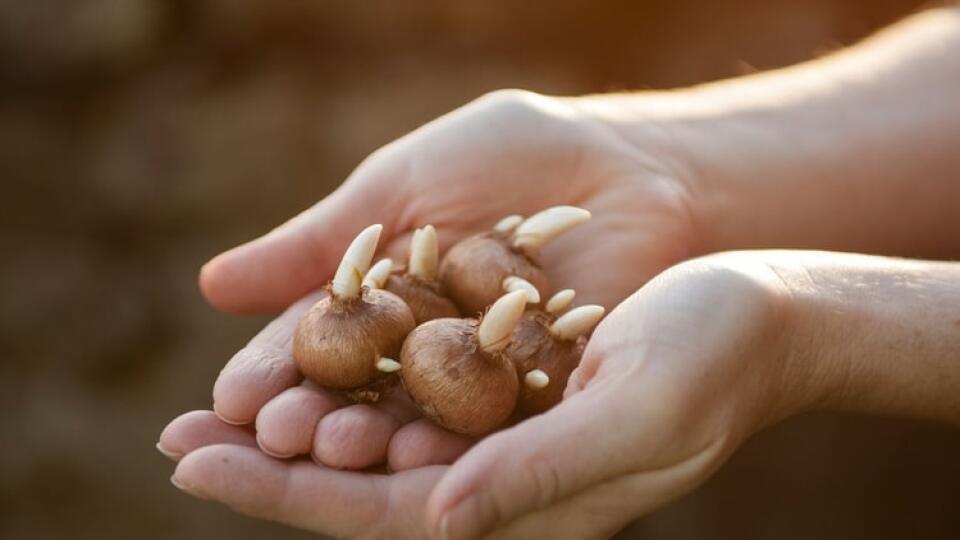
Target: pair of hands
x,y
670,383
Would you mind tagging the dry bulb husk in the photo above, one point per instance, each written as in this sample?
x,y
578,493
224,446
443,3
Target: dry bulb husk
x,y
457,370
546,347
475,271
417,283
348,340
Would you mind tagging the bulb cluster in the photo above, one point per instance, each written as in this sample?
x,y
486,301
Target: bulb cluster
x,y
469,375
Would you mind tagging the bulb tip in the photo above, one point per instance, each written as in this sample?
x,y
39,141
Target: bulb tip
x,y
576,322
559,301
388,365
508,224
516,283
356,262
424,253
500,320
536,379
378,274
546,225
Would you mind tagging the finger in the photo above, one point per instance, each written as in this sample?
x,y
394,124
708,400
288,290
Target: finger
x,y
301,255
397,403
422,443
354,437
196,429
357,436
603,509
301,494
533,464
598,512
286,424
261,370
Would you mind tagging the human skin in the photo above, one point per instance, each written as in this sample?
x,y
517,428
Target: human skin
x,y
852,152
678,375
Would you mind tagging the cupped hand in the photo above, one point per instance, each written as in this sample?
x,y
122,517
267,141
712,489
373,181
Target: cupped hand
x,y
671,382
509,152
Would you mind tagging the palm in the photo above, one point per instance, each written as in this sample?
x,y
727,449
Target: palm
x,y
462,176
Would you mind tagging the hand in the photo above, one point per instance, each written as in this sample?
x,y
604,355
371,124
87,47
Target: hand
x,y
672,380
510,152
515,152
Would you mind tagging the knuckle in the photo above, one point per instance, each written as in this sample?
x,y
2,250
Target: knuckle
x,y
544,480
388,518
510,97
514,105
269,362
728,278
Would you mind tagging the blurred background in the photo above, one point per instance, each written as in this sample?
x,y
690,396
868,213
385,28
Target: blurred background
x,y
140,137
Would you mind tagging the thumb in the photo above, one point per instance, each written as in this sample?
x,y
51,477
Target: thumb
x,y
530,466
274,270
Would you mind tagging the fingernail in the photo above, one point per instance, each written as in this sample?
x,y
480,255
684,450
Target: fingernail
x,y
185,488
169,453
226,420
177,484
270,452
469,519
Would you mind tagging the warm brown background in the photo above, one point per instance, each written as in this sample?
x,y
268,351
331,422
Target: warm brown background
x,y
139,137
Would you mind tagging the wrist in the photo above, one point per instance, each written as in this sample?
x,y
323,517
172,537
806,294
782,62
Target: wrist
x,y
869,334
658,127
746,335
730,146
819,155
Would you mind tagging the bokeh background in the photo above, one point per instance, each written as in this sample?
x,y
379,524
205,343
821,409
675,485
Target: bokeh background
x,y
140,137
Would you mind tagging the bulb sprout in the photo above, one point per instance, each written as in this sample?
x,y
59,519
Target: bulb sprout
x,y
576,322
388,365
536,379
424,254
514,283
500,320
544,226
508,224
355,263
559,301
376,278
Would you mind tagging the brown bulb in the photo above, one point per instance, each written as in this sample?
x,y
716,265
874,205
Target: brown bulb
x,y
417,283
457,372
474,270
347,340
423,297
546,349
534,349
338,343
